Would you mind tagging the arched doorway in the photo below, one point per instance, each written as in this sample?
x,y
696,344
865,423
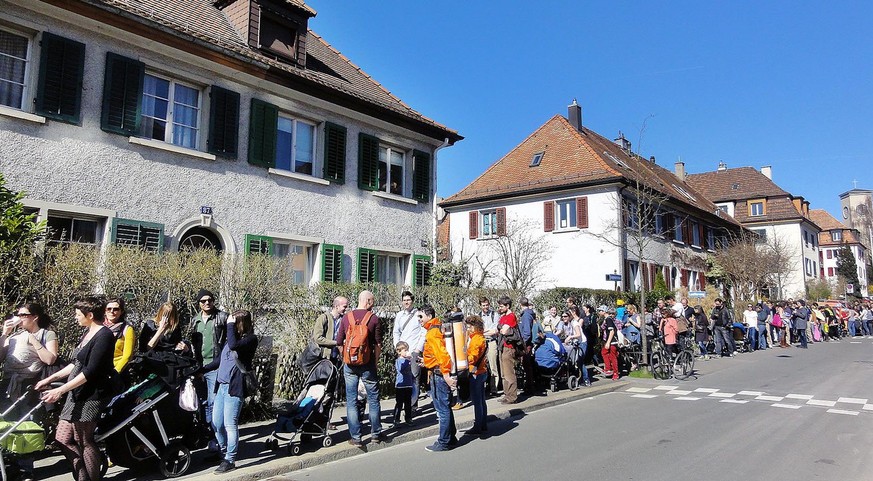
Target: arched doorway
x,y
200,238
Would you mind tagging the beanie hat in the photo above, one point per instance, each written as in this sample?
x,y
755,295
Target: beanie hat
x,y
203,293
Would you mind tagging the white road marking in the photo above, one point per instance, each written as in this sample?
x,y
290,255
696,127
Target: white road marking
x,y
645,396
750,393
679,393
639,389
786,406
843,411
868,407
687,398
722,394
770,398
805,397
734,401
821,402
666,388
852,400
705,389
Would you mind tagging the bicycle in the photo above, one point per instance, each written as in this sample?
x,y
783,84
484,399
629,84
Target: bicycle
x,y
665,365
683,365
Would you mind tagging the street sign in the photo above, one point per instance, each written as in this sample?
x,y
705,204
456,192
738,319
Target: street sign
x,y
613,277
850,288
696,294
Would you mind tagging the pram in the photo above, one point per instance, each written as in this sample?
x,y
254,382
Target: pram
x,y
22,435
739,333
556,365
310,414
146,422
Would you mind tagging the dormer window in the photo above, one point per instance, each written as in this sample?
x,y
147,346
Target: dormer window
x,y
836,236
537,158
275,27
277,36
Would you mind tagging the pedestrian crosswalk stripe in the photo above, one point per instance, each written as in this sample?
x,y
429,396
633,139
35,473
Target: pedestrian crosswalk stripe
x,y
868,407
722,394
852,400
750,393
805,397
679,393
645,396
705,389
639,389
734,401
770,398
687,398
786,406
843,411
820,402
666,388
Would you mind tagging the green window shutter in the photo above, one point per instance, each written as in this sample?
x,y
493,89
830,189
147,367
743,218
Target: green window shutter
x,y
259,244
223,122
335,153
262,133
421,176
420,271
331,263
134,233
366,265
368,162
122,95
59,90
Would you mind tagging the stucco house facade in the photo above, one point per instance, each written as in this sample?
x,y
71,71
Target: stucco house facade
x,y
834,236
227,124
577,193
776,216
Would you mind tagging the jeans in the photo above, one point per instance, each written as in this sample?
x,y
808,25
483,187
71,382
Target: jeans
x,y
583,347
722,338
416,374
702,346
441,395
852,328
225,420
752,338
865,327
762,336
632,334
801,333
209,377
371,383
477,394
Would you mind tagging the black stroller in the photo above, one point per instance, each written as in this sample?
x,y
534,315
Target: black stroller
x,y
309,415
145,422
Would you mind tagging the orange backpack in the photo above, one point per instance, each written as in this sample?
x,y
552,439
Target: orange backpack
x,y
356,348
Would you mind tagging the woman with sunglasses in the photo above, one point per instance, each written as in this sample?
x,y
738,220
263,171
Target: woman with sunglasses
x,y
24,355
125,339
88,380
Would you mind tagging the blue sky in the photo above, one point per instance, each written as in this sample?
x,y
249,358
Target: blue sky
x,y
749,83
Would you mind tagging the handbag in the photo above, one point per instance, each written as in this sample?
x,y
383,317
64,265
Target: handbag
x,y
188,399
249,381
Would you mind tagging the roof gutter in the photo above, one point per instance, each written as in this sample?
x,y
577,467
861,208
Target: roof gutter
x,y
433,232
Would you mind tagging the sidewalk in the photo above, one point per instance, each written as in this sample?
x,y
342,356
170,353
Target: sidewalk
x,y
256,461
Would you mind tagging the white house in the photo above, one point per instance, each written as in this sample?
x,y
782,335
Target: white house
x,y
571,189
226,124
833,237
752,198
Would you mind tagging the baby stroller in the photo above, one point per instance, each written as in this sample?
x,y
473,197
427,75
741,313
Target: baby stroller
x,y
21,435
145,422
739,333
309,415
555,364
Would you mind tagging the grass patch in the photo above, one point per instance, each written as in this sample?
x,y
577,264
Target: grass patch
x,y
642,373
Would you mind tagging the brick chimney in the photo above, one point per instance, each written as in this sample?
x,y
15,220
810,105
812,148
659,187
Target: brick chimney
x,y
574,115
767,171
680,170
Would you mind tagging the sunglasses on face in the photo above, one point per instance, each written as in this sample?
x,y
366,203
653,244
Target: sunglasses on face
x,y
23,314
205,301
113,309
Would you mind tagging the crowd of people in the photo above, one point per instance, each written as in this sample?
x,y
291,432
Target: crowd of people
x,y
99,368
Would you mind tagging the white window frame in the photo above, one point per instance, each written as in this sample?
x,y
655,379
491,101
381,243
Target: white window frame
x,y
752,209
27,91
491,215
295,122
405,189
568,205
403,264
171,104
836,236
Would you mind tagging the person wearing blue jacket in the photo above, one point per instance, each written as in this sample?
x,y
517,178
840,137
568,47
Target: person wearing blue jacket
x,y
230,389
550,353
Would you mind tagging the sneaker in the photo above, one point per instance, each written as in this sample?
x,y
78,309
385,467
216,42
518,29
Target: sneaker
x,y
225,467
356,443
587,383
436,447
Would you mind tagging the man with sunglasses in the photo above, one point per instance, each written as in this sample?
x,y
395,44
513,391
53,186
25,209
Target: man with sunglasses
x,y
208,337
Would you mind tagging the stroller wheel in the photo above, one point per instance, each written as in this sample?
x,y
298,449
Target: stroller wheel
x,y
175,460
327,442
573,383
294,449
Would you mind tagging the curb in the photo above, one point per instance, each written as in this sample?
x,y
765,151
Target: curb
x,y
285,465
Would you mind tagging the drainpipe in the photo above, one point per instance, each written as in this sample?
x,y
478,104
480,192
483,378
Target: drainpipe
x,y
433,239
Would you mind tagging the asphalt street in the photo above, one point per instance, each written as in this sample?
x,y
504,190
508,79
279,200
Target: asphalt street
x,y
776,414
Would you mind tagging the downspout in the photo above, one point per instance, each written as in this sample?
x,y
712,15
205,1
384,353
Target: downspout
x,y
622,258
433,239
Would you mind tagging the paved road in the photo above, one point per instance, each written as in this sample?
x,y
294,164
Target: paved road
x,y
776,414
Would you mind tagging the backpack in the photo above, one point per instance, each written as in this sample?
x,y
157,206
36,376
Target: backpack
x,y
356,348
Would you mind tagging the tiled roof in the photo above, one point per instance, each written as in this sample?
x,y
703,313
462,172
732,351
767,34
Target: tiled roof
x,y
735,184
326,66
572,158
829,223
777,209
825,220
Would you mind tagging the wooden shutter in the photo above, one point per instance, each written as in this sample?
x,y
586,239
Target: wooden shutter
x,y
331,263
122,95
421,176
223,122
258,244
669,226
263,125
474,224
548,216
368,162
684,277
59,91
501,221
582,212
702,278
335,153
420,271
134,233
366,265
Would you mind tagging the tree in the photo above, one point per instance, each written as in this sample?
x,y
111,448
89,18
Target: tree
x,y
750,264
847,268
19,232
819,289
518,257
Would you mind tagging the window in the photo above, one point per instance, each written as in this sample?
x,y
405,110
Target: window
x,y
170,111
489,223
695,234
761,234
830,254
14,57
295,145
836,236
830,272
677,229
566,215
659,223
277,36
633,216
684,192
756,209
299,256
537,158
391,268
149,236
710,239
392,163
74,230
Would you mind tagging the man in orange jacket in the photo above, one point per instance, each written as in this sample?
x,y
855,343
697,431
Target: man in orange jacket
x,y
436,359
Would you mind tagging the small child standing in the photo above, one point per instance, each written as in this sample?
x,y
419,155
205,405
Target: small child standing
x,y
403,385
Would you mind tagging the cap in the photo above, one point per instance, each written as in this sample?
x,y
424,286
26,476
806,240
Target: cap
x,y
603,308
619,302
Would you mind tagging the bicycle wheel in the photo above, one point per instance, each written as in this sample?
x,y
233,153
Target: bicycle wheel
x,y
683,366
660,369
